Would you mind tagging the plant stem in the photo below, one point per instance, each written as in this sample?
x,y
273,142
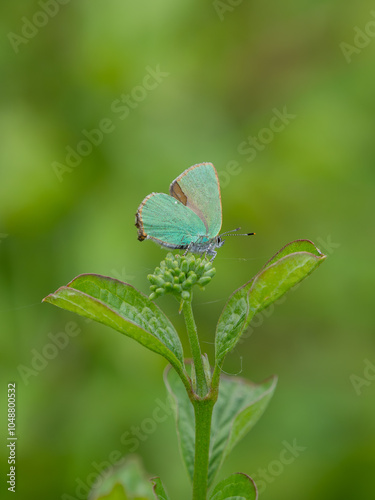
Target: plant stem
x,y
215,381
203,403
195,348
203,415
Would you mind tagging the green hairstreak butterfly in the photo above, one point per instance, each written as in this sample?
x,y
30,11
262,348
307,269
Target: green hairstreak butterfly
x,y
189,217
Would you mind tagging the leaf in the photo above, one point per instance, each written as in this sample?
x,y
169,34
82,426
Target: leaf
x,y
117,493
235,487
122,307
287,268
185,418
126,482
239,406
159,490
231,323
294,247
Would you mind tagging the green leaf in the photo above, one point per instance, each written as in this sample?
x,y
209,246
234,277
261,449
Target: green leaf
x,y
185,418
287,268
235,487
159,490
126,482
231,323
294,247
239,406
122,307
116,493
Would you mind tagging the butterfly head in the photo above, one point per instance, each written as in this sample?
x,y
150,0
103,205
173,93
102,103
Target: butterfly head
x,y
219,242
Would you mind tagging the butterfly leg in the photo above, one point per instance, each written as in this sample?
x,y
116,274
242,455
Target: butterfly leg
x,y
211,252
205,251
213,255
188,248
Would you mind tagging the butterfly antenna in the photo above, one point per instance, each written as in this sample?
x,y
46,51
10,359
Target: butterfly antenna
x,y
234,230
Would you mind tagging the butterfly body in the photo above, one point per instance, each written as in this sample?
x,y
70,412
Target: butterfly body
x,y
189,217
207,247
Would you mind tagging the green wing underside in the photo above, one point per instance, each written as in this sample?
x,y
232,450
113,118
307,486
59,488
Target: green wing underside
x,y
200,185
169,221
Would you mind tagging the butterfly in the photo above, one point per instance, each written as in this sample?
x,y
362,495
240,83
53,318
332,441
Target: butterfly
x,y
190,217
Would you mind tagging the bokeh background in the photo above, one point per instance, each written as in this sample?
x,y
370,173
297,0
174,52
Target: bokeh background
x,y
222,69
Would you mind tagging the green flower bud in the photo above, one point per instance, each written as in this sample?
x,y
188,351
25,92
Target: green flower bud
x,y
156,280
181,277
187,284
168,261
185,266
192,277
211,272
204,281
168,276
200,267
178,274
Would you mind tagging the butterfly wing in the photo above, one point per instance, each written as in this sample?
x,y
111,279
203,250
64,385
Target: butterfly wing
x,y
198,189
167,221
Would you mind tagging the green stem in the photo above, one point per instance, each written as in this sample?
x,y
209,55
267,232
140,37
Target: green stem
x,y
195,348
203,415
203,403
216,379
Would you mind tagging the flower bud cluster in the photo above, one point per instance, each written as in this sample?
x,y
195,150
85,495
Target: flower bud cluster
x,y
178,274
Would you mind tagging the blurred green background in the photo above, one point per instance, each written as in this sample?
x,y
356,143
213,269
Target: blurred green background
x,y
224,67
